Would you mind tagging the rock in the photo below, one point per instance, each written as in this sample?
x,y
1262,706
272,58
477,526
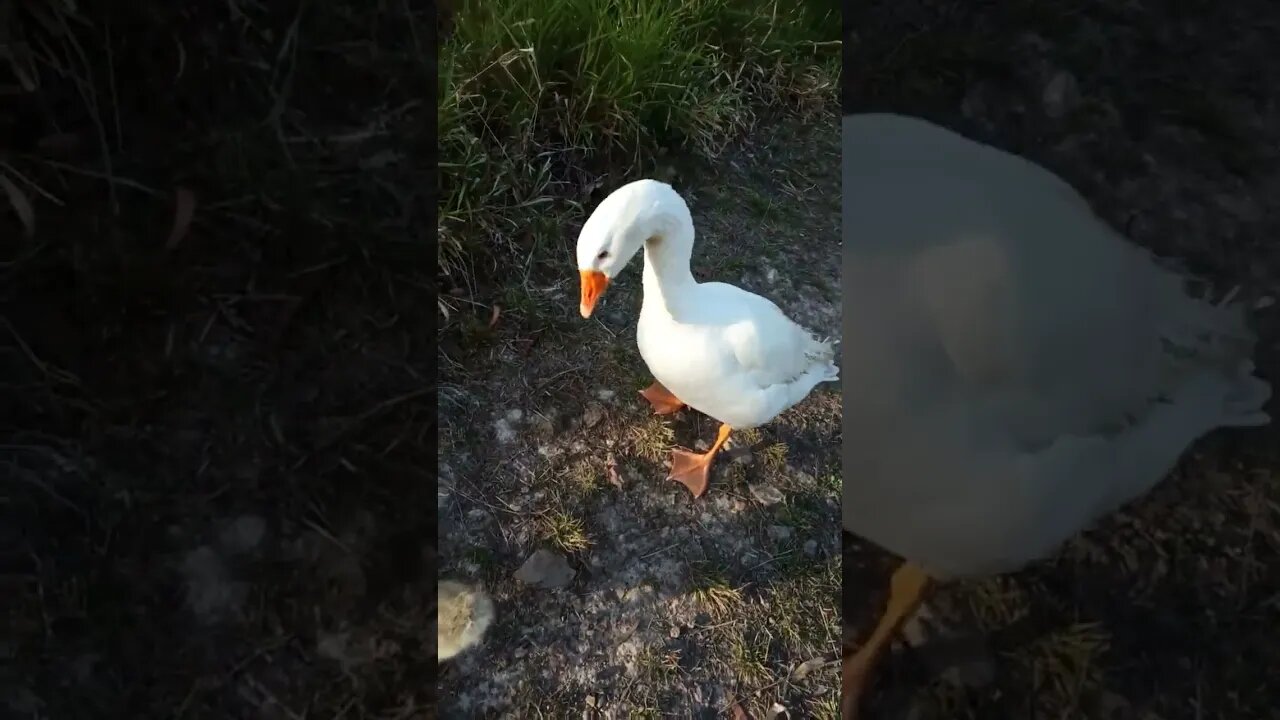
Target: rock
x,y
21,701
975,105
804,669
765,494
503,430
811,548
592,415
775,711
975,672
1061,95
544,428
212,593
780,532
605,395
545,569
243,534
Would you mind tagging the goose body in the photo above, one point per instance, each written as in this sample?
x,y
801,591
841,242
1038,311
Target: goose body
x,y
1014,368
730,354
723,351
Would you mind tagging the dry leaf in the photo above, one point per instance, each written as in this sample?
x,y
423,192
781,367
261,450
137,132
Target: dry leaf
x,y
21,204
184,211
611,470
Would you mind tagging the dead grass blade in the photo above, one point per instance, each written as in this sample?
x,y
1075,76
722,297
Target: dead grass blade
x,y
21,204
183,212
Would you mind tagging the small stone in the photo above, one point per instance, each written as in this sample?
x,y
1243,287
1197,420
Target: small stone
x,y
515,415
332,646
544,428
592,415
775,711
780,532
804,669
1061,95
605,395
243,534
811,548
545,569
765,494
1264,302
212,593
1113,706
974,673
504,432
974,105
674,632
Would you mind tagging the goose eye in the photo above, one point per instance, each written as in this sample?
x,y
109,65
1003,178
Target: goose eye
x,y
603,254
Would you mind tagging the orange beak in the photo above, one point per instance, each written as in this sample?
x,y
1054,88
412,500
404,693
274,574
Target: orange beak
x,y
593,284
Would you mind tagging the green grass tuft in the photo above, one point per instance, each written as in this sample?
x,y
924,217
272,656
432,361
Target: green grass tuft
x,y
531,89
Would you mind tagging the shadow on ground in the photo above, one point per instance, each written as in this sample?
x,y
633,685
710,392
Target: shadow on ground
x,y
215,435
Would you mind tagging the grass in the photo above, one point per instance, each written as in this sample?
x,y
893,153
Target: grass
x,y
774,457
652,438
713,592
533,91
565,532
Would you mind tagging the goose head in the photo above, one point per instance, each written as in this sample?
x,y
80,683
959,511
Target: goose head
x,y
621,224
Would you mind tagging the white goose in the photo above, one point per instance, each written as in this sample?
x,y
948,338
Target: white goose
x,y
719,349
1014,368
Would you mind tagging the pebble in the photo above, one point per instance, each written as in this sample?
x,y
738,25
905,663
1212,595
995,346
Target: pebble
x,y
765,494
1061,95
545,569
803,670
243,534
592,415
811,548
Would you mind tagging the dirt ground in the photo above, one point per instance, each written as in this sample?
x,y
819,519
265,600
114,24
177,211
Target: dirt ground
x,y
664,606
215,444
1166,115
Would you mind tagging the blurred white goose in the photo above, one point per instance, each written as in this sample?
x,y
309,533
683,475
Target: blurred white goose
x,y
1014,369
721,350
